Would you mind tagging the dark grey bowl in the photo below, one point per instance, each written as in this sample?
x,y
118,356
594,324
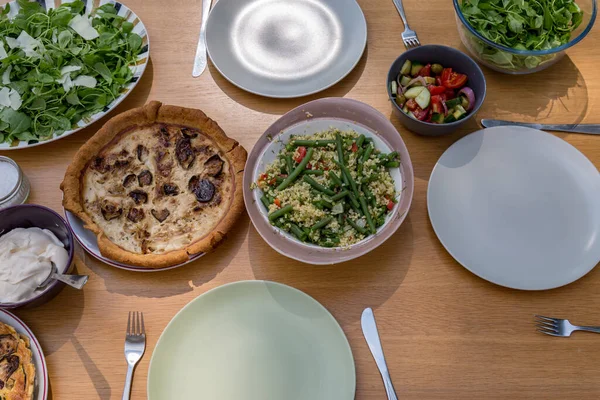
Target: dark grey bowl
x,y
34,216
448,57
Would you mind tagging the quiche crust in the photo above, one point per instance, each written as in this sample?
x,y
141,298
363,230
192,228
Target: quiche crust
x,y
116,130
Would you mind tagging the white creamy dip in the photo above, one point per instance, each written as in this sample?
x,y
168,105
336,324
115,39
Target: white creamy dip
x,y
25,255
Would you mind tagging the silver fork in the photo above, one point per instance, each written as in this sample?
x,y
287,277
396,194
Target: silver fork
x,y
135,344
408,36
560,327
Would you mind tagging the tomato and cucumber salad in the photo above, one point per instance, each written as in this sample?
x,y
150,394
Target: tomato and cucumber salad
x,y
432,93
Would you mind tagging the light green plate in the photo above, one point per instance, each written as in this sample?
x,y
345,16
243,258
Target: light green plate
x,y
252,340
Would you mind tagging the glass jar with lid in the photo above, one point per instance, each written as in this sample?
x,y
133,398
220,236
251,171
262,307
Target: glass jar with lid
x,y
14,185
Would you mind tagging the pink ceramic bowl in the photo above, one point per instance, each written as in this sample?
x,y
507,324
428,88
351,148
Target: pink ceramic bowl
x,y
309,118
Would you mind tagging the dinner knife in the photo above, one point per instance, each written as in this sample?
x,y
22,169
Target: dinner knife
x,y
201,57
593,129
369,328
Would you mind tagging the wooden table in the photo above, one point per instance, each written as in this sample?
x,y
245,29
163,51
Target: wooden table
x,y
447,334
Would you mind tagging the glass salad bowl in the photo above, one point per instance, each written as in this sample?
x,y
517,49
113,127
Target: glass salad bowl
x,y
519,59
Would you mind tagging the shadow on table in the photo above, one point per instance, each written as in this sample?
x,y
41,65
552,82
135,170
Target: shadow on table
x,y
281,106
175,281
434,146
57,331
556,94
100,383
367,281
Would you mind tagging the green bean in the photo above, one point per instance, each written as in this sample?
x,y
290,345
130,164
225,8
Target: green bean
x,y
368,152
392,164
280,213
340,195
318,172
290,163
351,181
360,141
312,143
340,218
317,185
340,148
292,177
265,201
392,156
354,203
369,196
356,227
340,151
323,204
335,179
322,223
298,232
365,208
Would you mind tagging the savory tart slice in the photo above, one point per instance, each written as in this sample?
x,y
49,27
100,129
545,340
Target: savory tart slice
x,y
157,184
17,372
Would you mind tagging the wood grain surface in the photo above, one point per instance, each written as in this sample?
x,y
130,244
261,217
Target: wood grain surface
x,y
447,334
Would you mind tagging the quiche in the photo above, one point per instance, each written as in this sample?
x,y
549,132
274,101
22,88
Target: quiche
x,y
17,372
156,185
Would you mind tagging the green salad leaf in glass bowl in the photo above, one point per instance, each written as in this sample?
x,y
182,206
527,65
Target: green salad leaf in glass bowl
x,y
522,36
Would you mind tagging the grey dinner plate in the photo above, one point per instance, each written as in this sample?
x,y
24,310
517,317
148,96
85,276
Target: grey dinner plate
x,y
518,207
285,48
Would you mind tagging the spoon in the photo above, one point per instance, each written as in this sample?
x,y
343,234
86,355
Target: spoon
x,y
76,281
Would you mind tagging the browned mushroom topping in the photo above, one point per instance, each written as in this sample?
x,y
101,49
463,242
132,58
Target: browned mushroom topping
x,y
187,133
110,210
184,152
201,149
163,164
202,188
214,165
135,214
129,179
145,178
163,136
193,183
8,345
100,165
170,189
142,152
7,366
139,196
160,215
121,163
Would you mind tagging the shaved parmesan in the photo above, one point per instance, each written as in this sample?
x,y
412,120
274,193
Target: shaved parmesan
x,y
15,99
69,68
28,44
3,53
83,27
5,97
25,42
85,80
66,81
11,42
10,98
6,75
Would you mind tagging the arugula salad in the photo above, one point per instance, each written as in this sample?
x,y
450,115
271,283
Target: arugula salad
x,y
521,25
59,66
